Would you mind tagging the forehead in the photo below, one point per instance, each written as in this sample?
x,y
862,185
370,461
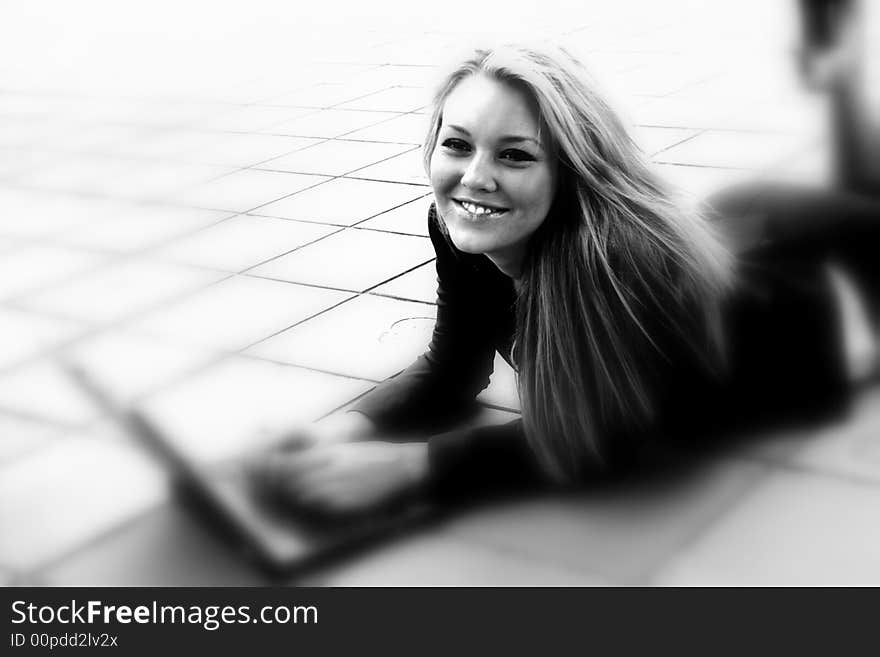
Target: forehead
x,y
484,105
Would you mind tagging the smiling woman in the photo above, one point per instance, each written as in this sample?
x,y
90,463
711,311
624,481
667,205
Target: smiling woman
x,y
632,322
493,179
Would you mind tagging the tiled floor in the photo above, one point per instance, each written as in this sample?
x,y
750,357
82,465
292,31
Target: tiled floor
x,y
343,201
234,236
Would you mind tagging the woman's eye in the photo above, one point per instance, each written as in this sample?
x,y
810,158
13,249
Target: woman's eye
x,y
516,155
456,145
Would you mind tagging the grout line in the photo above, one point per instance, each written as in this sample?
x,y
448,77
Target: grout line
x,y
319,370
424,185
398,298
295,324
396,276
116,528
336,175
678,143
293,250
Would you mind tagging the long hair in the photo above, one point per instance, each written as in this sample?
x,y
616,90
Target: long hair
x,y
618,279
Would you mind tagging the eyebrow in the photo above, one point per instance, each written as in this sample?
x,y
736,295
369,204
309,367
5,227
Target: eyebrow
x,y
505,139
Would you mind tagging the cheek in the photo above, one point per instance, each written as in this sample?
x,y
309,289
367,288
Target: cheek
x,y
442,175
536,195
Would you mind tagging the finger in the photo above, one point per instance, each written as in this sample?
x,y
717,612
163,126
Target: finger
x,y
259,466
281,471
330,497
297,439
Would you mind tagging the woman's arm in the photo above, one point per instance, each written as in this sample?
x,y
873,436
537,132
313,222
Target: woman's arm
x,y
370,465
468,463
440,386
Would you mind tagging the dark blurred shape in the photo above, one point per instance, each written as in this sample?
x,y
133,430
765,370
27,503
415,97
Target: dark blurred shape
x,y
838,225
834,59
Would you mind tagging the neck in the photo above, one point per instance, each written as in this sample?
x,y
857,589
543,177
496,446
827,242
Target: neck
x,y
508,262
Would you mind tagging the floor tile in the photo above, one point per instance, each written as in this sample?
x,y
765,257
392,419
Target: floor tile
x,y
31,214
62,497
245,190
390,335
158,181
23,335
22,132
406,168
343,201
166,546
323,95
849,448
351,260
129,365
20,437
16,164
662,76
244,150
434,559
700,182
411,218
334,158
238,312
622,533
736,150
801,115
103,139
502,390
684,113
173,144
120,290
814,167
392,75
395,99
43,390
138,227
796,529
241,404
418,285
167,114
81,174
9,244
242,242
34,267
655,140
254,118
406,129
330,123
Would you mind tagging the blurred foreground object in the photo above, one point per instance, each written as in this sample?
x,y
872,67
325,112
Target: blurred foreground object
x,y
839,55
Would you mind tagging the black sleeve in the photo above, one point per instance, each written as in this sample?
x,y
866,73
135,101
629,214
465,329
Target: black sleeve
x,y
471,463
440,386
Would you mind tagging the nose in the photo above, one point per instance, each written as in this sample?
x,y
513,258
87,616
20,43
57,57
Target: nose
x,y
479,174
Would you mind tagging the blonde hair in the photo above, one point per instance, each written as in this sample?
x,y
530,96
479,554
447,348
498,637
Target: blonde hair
x,y
617,280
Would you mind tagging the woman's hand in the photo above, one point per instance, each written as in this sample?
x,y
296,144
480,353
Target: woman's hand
x,y
345,477
339,428
336,465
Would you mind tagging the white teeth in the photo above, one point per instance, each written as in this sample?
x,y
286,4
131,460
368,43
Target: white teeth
x,y
478,209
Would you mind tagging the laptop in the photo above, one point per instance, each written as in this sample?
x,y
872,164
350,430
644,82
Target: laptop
x,y
279,539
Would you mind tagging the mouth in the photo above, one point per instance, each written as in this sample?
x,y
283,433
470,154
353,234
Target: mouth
x,y
478,209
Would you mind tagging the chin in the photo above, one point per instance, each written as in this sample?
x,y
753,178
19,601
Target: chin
x,y
470,241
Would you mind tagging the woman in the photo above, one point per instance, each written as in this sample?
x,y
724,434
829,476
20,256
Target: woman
x,y
626,319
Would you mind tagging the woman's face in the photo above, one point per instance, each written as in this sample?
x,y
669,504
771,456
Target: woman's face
x,y
493,174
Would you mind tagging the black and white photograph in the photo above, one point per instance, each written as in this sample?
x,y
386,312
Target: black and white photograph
x,y
451,294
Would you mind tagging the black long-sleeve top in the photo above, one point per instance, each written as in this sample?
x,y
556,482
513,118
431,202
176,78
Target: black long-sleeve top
x,y
781,339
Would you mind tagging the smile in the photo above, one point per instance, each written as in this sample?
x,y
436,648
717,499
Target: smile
x,y
479,210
